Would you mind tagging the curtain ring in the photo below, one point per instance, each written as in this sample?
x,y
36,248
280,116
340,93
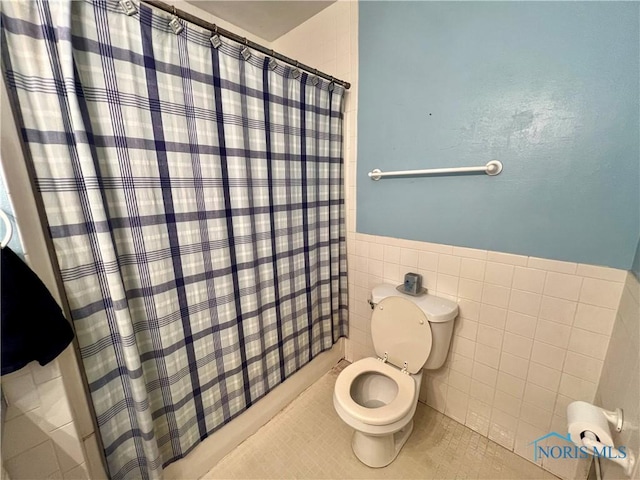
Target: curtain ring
x,y
174,11
246,42
215,28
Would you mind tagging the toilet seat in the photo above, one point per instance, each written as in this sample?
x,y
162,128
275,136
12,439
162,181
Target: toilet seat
x,y
393,411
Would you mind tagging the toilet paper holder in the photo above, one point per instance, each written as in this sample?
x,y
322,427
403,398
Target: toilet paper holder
x,y
614,417
588,426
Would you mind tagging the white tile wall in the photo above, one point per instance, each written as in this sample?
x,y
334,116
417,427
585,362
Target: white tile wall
x,y
619,385
39,435
524,346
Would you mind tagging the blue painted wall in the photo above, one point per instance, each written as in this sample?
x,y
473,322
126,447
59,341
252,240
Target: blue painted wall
x,y
548,88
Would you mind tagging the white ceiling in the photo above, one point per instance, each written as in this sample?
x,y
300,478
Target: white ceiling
x,y
268,19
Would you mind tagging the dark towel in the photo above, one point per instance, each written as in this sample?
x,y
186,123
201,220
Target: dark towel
x,y
33,327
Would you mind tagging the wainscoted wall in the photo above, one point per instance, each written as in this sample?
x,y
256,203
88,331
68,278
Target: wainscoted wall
x,y
620,380
548,88
532,334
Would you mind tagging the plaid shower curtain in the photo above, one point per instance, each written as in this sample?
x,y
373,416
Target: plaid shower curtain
x,y
194,196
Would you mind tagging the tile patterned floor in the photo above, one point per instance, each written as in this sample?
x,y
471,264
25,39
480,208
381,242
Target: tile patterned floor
x,y
308,440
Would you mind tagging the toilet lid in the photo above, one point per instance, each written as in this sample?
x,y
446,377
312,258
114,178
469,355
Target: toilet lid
x,y
400,329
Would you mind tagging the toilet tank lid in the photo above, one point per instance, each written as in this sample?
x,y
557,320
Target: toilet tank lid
x,y
436,309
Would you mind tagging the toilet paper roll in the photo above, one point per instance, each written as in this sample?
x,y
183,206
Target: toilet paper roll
x,y
582,416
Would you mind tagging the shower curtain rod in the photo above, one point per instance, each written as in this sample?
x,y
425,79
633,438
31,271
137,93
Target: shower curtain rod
x,y
242,40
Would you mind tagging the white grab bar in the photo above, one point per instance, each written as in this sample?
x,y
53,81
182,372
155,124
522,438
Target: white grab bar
x,y
494,167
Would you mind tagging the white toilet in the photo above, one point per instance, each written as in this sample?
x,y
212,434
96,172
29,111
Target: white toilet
x,y
377,397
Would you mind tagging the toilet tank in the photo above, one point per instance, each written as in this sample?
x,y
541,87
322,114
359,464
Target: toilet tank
x,y
440,313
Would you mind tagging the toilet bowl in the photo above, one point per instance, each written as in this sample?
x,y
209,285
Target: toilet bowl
x,y
377,397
